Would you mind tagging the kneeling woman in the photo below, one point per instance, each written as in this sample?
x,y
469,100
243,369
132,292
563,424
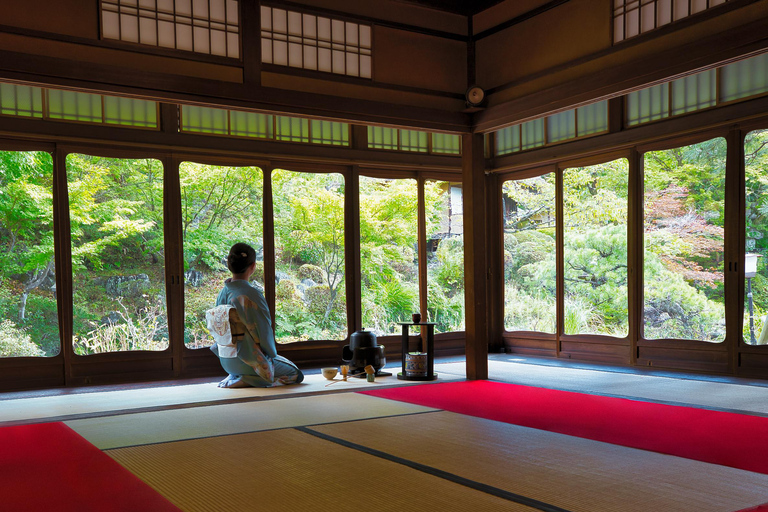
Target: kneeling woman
x,y
253,361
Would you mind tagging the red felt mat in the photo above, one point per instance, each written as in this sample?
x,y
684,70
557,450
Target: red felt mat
x,y
729,439
48,466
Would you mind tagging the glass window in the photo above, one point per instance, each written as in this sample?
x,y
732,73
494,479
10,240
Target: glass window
x,y
508,140
634,17
220,206
116,214
592,118
446,143
388,253
755,326
29,323
445,254
683,242
291,129
744,78
532,134
530,268
694,92
561,126
648,104
309,256
595,248
414,140
21,100
300,40
211,26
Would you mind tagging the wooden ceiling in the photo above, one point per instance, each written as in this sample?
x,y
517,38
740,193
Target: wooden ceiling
x,y
464,7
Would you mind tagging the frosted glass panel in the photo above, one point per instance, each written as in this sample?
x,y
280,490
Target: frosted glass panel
x,y
330,132
129,111
380,137
694,92
203,26
250,124
446,143
532,133
21,100
204,120
508,140
291,38
592,118
412,140
744,78
648,104
292,129
561,126
74,106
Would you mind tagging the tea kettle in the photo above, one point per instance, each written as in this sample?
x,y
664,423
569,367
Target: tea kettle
x,y
363,351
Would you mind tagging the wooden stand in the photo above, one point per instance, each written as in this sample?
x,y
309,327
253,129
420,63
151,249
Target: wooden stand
x,y
430,328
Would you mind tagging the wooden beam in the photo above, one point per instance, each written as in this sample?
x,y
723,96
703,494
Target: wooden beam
x,y
475,256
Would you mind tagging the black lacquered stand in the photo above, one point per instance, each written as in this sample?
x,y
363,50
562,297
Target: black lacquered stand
x,y
430,328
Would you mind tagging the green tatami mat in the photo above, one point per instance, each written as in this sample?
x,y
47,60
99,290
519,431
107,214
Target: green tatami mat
x,y
288,470
216,420
576,474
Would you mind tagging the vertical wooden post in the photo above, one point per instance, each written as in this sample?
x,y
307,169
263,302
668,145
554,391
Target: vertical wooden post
x,y
269,242
559,260
174,259
352,251
735,242
475,256
63,258
495,262
250,35
635,254
422,249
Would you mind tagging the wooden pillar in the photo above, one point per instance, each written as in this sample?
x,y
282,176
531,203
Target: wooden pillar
x,y
269,242
352,251
422,250
735,242
174,259
63,258
635,254
475,255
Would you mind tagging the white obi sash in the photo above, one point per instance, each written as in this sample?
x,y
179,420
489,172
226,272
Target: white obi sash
x,y
221,330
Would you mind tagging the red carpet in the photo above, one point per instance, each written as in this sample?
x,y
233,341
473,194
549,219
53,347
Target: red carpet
x,y
728,439
48,466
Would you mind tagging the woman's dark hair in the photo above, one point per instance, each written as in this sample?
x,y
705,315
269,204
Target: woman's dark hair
x,y
240,256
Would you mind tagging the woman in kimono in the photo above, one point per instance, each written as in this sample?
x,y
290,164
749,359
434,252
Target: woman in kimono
x,y
253,360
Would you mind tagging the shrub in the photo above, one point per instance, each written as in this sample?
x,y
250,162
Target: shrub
x,y
312,272
285,290
15,342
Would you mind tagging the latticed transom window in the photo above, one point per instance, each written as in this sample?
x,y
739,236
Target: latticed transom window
x,y
740,80
300,40
633,17
202,26
570,124
31,101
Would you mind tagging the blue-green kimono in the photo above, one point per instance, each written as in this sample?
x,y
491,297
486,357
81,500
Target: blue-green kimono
x,y
253,360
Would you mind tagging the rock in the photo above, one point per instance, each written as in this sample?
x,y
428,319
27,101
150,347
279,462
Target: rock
x,y
127,286
193,278
111,318
279,276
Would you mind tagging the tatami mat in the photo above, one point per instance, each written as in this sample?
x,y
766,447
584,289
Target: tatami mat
x,y
701,393
63,407
216,420
576,474
289,470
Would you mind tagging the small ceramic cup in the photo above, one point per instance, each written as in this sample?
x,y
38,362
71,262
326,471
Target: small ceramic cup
x,y
416,318
329,373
